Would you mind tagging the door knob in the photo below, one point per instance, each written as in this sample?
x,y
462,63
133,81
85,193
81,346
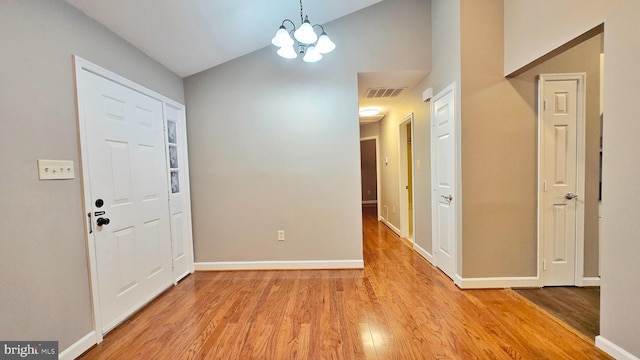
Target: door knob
x,y
570,196
449,198
103,221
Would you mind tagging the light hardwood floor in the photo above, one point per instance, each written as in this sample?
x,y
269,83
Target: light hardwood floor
x,y
398,307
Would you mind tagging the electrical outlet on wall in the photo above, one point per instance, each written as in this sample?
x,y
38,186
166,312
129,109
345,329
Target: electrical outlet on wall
x,y
393,209
280,235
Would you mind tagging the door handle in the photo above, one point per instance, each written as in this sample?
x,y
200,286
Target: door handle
x,y
449,198
570,196
102,221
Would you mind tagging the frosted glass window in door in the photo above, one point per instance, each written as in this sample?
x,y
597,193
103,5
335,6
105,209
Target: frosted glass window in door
x,y
173,157
175,182
172,132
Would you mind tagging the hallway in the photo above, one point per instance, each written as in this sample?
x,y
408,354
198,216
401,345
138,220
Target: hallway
x,y
398,307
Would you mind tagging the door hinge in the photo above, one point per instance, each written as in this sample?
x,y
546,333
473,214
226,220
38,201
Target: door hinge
x,y
544,105
544,265
545,186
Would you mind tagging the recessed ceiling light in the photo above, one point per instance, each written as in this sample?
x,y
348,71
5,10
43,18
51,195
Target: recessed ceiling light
x,y
369,112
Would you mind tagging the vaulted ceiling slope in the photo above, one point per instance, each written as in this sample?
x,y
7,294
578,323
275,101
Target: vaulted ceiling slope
x,y
189,36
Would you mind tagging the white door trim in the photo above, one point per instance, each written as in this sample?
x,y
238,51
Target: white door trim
x,y
402,154
84,65
580,174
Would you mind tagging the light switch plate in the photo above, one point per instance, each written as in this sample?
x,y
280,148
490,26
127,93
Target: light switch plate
x,y
55,169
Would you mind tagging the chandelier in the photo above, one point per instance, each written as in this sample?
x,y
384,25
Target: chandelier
x,y
309,45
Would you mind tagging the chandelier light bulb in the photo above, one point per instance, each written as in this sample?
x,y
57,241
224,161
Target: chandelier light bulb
x,y
282,38
325,45
312,55
287,52
305,33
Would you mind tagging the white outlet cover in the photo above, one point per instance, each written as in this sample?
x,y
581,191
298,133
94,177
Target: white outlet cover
x,y
56,169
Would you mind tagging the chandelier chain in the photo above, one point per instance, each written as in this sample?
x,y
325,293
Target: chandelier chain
x,y
301,19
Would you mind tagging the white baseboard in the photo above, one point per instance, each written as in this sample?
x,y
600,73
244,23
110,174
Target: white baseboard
x,y
279,265
497,282
591,281
424,253
391,226
614,350
510,282
368,202
76,349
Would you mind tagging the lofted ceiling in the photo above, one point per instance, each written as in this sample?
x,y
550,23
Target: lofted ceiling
x,y
189,36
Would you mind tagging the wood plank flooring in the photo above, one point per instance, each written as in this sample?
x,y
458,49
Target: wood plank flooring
x,y
398,307
577,307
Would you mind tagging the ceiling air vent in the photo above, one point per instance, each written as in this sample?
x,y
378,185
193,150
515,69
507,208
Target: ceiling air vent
x,y
383,92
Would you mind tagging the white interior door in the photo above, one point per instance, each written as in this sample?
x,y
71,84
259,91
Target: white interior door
x,y
443,171
125,157
561,184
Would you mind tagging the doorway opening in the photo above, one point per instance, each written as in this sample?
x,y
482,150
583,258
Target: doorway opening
x,y
405,132
369,173
584,54
587,58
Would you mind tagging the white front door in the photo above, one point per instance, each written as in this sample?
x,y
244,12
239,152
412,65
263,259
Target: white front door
x,y
560,188
125,156
443,170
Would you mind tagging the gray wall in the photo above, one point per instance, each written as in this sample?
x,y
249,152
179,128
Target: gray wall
x,y
498,154
526,41
446,45
43,272
277,141
369,130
